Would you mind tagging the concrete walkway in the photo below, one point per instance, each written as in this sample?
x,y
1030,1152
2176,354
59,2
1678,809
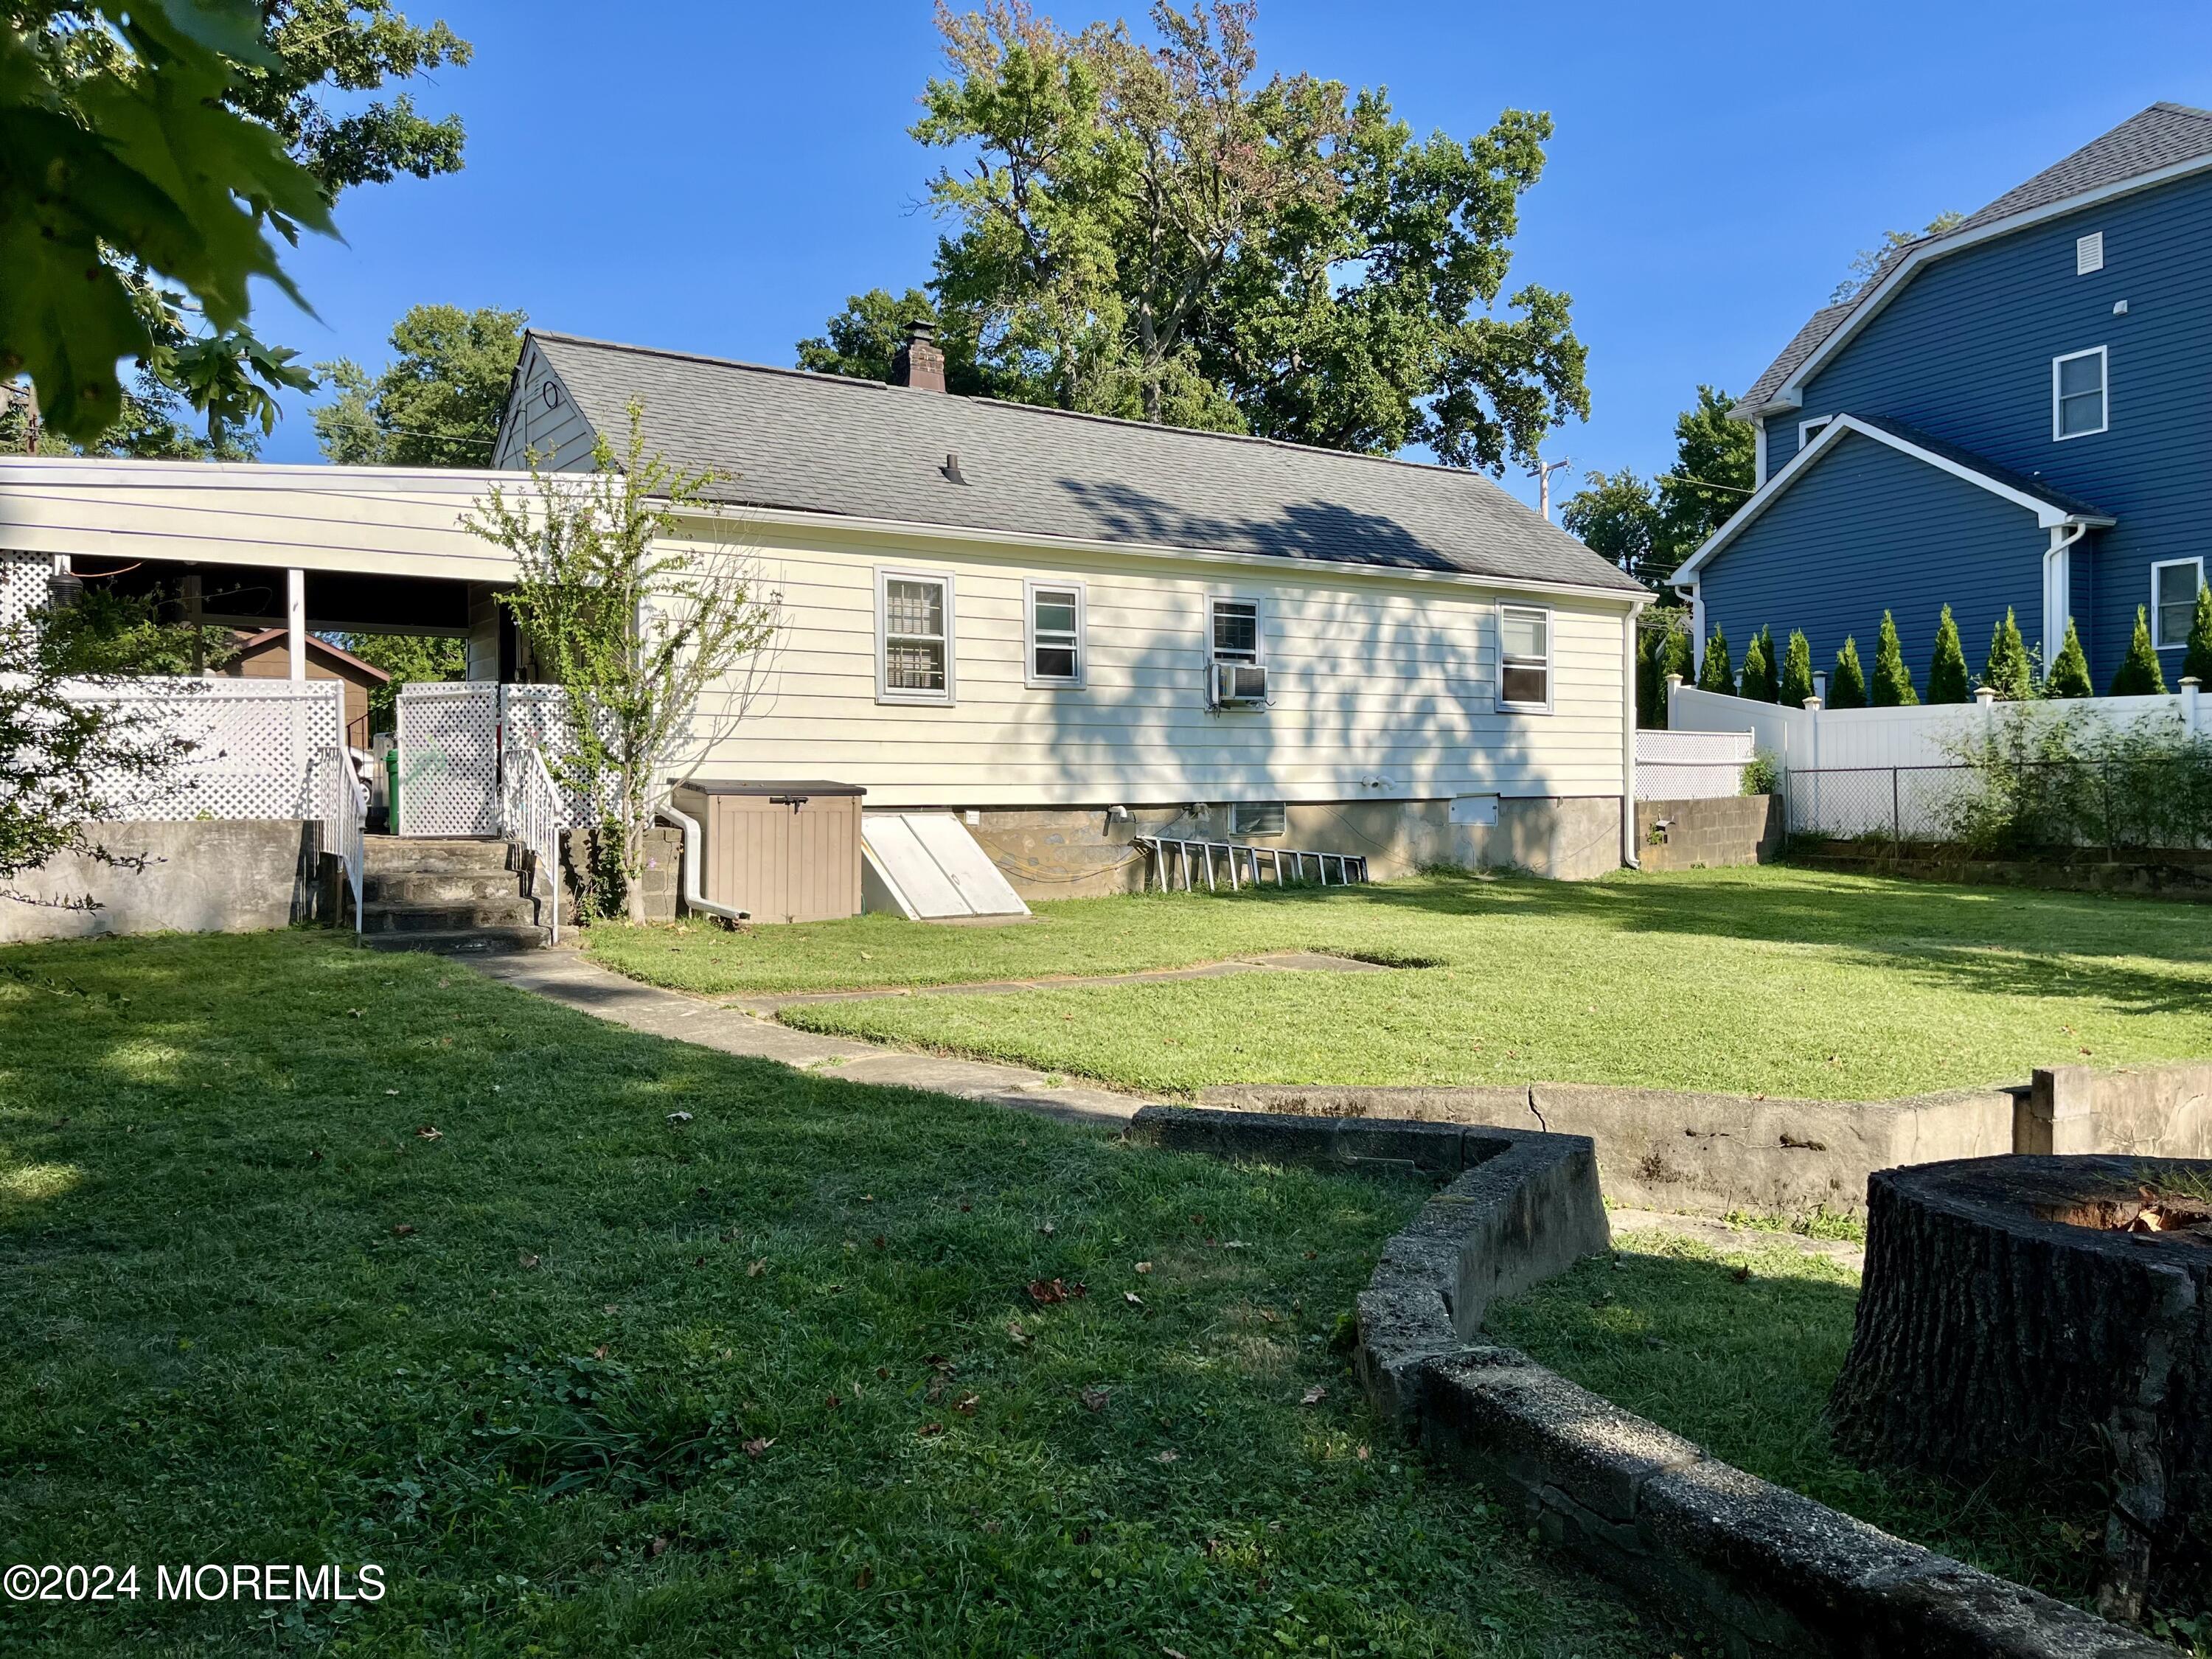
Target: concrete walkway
x,y
570,979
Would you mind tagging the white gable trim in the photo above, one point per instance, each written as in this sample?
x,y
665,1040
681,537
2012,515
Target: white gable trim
x,y
2047,514
1790,394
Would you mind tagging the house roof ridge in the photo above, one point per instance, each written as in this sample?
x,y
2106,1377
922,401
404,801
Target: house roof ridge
x,y
816,377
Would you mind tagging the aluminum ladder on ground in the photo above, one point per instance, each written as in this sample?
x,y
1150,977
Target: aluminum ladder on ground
x,y
1173,857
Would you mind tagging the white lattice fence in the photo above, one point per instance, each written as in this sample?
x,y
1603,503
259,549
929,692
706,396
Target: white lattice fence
x,y
23,584
536,717
259,749
1691,765
448,733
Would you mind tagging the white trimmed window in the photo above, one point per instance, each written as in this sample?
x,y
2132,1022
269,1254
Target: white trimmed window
x,y
2173,585
1809,430
2077,394
913,637
1255,817
1524,658
1054,644
2089,253
1233,630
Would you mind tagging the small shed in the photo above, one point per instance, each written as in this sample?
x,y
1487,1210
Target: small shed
x,y
784,851
265,656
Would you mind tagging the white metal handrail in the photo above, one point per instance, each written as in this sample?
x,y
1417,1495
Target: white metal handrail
x,y
348,825
531,811
1173,856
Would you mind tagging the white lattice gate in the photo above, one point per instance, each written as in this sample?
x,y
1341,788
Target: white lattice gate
x,y
448,758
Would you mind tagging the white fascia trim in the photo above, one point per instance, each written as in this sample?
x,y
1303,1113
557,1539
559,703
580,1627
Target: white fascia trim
x,y
903,532
1790,394
1830,435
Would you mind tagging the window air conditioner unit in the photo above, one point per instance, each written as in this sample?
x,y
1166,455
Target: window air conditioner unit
x,y
1239,684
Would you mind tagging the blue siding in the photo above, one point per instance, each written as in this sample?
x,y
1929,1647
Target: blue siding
x,y
1868,529
1964,352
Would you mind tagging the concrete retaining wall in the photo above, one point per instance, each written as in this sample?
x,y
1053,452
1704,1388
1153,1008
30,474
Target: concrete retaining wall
x,y
198,877
2177,875
1664,1149
2150,1111
1770,1570
1692,835
1077,852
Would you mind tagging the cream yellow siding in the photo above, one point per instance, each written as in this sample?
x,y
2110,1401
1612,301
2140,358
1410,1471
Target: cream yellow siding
x,y
1380,688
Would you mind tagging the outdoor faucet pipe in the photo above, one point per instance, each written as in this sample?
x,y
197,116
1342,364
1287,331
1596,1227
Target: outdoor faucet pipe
x,y
693,898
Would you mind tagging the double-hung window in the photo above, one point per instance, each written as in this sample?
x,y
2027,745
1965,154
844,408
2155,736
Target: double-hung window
x,y
1054,644
1524,658
913,637
2077,394
1233,631
2173,585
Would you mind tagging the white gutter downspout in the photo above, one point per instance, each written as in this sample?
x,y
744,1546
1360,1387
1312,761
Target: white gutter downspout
x,y
1628,736
1694,592
2058,590
693,898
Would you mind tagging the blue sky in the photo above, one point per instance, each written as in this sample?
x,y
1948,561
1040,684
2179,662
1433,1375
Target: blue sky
x,y
718,177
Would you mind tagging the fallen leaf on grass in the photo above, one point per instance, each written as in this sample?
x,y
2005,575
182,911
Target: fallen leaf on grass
x,y
430,1131
862,1579
1168,1456
403,1229
1144,1266
1094,1399
1048,1230
755,1269
1133,1298
756,1446
658,1547
679,1117
1014,1329
392,1091
524,1258
966,1403
834,1402
1046,1291
1314,1395
1361,1454
931,1428
600,1352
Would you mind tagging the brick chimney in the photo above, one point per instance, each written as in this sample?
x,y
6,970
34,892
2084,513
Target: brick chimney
x,y
919,363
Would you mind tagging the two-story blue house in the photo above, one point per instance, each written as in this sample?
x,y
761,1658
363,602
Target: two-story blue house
x,y
2017,413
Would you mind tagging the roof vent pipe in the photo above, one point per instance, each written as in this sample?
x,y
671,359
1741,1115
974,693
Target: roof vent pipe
x,y
919,363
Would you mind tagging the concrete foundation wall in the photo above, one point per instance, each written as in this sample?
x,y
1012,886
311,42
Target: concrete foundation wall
x,y
1691,835
664,870
2151,1111
199,877
1078,853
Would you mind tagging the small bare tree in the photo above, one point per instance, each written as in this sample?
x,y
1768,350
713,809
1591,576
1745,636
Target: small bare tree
x,y
634,594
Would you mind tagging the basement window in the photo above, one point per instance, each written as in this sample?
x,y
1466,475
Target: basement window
x,y
1255,817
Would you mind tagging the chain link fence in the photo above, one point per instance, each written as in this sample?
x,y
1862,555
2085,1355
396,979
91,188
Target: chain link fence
x,y
2015,806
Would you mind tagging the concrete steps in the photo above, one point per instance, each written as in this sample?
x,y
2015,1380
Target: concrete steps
x,y
462,897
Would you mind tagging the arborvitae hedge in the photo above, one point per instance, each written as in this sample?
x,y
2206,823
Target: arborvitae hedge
x,y
1847,686
2009,672
2138,674
1757,681
2197,661
1892,680
1797,669
1718,673
1946,676
2070,675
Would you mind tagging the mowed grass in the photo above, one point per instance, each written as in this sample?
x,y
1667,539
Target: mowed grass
x,y
1737,1350
1765,980
313,1255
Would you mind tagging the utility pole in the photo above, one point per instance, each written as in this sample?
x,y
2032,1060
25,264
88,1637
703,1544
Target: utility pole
x,y
1541,472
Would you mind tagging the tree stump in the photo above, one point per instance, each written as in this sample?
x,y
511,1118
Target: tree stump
x,y
2045,1318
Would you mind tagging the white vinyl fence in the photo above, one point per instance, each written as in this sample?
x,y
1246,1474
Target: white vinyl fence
x,y
1691,765
1894,772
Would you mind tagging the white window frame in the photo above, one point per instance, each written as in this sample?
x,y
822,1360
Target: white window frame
x,y
1809,430
886,575
2103,394
1031,677
1551,658
2089,253
1259,628
2157,615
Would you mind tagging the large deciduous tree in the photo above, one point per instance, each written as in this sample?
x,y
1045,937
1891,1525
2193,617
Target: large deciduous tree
x,y
155,159
1152,230
1650,528
438,402
860,341
1614,516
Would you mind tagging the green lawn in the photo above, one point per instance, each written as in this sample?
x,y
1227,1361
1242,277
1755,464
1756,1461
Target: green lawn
x,y
1766,981
1737,1350
309,1254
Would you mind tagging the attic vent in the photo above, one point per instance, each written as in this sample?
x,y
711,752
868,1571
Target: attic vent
x,y
951,469
2089,253
552,395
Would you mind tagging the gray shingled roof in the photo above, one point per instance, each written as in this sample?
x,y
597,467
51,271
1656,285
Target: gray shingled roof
x,y
819,443
2157,137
